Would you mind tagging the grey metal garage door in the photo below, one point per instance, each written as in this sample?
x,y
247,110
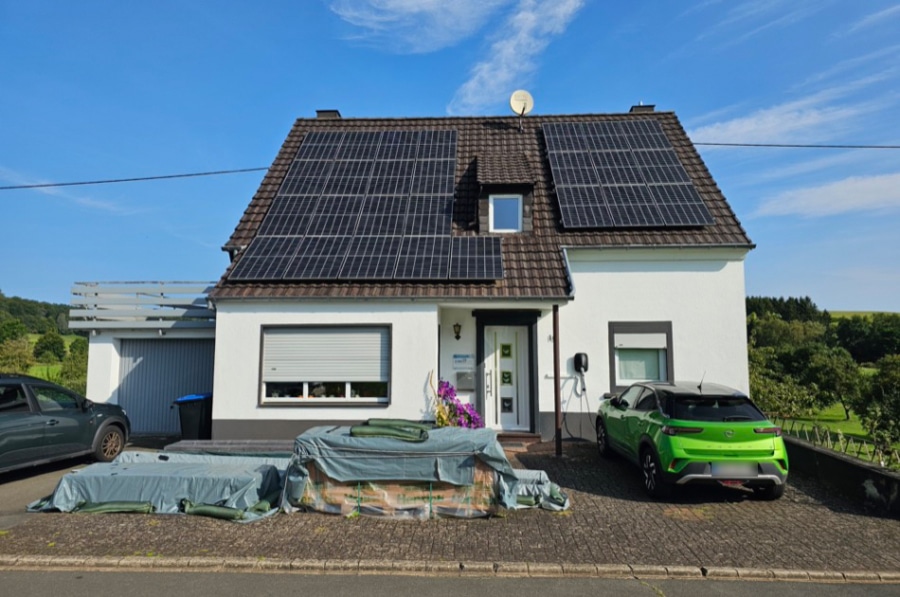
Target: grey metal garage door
x,y
156,372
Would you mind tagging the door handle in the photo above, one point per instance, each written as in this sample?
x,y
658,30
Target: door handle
x,y
52,422
488,383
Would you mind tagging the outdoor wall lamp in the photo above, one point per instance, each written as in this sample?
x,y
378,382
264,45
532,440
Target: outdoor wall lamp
x,y
457,329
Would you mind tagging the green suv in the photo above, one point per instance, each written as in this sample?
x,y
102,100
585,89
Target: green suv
x,y
689,433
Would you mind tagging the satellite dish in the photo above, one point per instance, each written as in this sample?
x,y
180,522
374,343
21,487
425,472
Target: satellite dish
x,y
521,102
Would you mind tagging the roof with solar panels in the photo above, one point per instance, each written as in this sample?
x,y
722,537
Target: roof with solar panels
x,y
397,207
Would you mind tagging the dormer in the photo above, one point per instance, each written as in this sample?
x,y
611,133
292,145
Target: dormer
x,y
506,193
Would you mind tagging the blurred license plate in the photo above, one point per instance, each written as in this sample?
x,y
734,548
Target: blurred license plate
x,y
733,470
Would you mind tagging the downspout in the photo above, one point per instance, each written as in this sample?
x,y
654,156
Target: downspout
x,y
557,403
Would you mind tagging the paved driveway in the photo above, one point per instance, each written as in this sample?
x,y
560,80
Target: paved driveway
x,y
611,522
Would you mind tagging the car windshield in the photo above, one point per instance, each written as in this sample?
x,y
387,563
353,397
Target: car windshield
x,y
714,408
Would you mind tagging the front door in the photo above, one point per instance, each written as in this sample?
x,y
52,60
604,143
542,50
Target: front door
x,y
506,378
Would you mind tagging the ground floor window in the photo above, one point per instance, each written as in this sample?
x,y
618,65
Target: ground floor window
x,y
640,351
308,365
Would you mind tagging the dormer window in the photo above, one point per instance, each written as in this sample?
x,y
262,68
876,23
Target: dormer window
x,y
505,213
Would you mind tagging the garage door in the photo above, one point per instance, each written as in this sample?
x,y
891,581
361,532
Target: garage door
x,y
156,372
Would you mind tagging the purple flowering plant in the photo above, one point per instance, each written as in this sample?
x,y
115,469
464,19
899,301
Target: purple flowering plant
x,y
450,412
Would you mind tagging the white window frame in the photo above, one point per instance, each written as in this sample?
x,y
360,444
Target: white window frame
x,y
287,364
520,201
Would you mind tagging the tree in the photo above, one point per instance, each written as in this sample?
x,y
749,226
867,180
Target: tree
x,y
778,394
771,330
50,346
880,410
79,346
73,373
16,356
12,329
835,375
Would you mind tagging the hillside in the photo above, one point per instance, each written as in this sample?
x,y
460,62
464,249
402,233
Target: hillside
x,y
37,316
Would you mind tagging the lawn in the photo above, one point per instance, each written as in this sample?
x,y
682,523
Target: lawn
x,y
833,419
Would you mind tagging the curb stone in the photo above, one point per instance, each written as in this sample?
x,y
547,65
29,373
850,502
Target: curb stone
x,y
440,568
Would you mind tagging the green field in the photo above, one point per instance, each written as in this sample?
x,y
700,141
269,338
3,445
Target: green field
x,y
833,419
48,371
848,314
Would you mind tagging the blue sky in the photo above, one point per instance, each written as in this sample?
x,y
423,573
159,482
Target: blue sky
x,y
110,89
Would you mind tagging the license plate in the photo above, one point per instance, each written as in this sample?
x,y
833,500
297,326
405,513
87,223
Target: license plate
x,y
733,470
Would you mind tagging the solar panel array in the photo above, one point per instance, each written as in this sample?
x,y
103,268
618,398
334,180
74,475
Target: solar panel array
x,y
368,206
620,174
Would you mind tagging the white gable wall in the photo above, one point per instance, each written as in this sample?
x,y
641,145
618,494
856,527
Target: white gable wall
x,y
239,323
700,291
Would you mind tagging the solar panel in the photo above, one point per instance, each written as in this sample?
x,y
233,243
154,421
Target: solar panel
x,y
371,257
368,205
318,258
259,268
620,174
423,258
475,258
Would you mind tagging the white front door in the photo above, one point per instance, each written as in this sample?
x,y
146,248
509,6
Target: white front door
x,y
506,375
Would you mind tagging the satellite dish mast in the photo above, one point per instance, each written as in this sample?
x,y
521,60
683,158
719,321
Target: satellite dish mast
x,y
521,103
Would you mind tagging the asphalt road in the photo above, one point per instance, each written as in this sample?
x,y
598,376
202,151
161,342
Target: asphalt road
x,y
154,584
20,488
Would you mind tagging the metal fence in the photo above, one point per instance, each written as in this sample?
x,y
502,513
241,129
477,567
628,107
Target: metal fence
x,y
837,441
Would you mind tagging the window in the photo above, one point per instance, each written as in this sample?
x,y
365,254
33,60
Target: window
x,y
12,400
50,399
640,351
506,213
647,401
326,365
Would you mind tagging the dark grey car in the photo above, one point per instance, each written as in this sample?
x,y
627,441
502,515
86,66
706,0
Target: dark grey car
x,y
41,422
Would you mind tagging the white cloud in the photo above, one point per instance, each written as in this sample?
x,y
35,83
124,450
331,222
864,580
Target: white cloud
x,y
416,26
514,54
16,179
874,19
853,194
743,20
854,64
814,118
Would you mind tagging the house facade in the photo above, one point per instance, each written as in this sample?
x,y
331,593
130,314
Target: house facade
x,y
535,263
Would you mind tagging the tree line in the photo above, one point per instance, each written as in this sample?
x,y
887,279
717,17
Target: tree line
x,y
37,316
802,360
20,317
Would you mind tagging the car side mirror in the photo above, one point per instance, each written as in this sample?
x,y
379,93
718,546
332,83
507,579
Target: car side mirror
x,y
623,404
86,405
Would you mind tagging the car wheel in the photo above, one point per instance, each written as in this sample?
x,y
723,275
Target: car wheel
x,y
602,439
768,492
654,484
110,444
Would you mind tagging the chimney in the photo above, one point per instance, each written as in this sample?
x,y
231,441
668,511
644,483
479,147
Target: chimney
x,y
642,108
328,114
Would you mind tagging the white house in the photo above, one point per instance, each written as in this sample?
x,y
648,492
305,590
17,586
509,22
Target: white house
x,y
380,255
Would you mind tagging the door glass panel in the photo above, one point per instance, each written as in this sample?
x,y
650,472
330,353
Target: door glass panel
x,y
12,400
51,399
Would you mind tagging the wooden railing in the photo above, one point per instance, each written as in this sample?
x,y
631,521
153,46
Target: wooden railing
x,y
141,305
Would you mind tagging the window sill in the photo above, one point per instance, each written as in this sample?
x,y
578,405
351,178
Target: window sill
x,y
301,402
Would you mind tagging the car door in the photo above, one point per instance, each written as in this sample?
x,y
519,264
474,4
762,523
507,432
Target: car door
x,y
637,419
615,416
21,427
68,427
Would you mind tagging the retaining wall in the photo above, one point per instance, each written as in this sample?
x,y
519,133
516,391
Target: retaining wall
x,y
851,477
